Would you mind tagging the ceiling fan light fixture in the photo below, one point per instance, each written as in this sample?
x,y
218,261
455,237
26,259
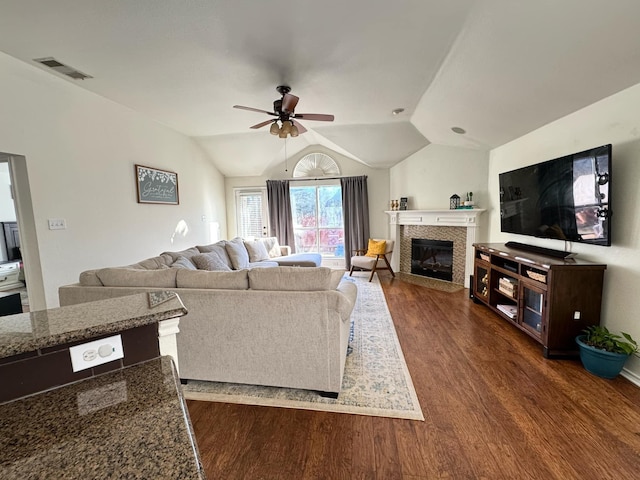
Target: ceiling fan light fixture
x,y
282,133
286,127
294,131
275,129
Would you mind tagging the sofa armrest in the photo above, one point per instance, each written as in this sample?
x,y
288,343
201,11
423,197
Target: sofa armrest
x,y
285,250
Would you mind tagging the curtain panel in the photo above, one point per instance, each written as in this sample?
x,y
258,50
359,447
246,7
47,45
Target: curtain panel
x,y
355,213
280,215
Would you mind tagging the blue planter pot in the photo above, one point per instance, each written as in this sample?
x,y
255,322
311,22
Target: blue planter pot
x,y
600,362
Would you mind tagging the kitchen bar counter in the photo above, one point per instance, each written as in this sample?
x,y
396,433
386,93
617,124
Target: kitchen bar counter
x,y
28,332
130,423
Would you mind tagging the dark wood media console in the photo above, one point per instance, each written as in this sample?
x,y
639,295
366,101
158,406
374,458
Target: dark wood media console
x,y
550,299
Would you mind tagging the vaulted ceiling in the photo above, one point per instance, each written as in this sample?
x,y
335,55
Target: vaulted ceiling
x,y
496,68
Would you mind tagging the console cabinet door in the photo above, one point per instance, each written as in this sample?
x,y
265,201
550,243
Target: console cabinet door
x,y
533,306
481,282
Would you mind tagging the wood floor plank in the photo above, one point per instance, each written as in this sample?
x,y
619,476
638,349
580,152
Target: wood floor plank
x,y
494,407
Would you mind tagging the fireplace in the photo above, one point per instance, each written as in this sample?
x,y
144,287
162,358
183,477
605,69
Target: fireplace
x,y
459,226
432,258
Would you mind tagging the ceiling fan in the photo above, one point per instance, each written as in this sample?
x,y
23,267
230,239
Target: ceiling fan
x,y
284,112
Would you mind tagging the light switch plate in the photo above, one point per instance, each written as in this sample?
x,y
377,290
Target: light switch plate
x,y
97,352
57,224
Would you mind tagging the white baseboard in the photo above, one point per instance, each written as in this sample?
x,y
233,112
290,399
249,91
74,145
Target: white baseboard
x,y
632,377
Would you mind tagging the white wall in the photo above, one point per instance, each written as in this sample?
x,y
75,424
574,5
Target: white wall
x,y
430,176
377,186
80,151
613,120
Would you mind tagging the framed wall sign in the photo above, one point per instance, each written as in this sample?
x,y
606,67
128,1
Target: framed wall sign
x,y
156,186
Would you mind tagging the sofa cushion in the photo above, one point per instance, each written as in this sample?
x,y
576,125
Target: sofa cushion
x,y
300,260
272,246
218,248
257,251
188,253
130,277
292,278
90,278
336,278
237,253
153,263
184,262
231,280
209,261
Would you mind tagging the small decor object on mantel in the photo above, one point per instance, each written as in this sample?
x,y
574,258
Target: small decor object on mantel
x,y
454,201
404,201
469,201
604,353
156,186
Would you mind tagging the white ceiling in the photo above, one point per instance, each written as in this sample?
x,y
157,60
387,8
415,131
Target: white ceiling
x,y
497,68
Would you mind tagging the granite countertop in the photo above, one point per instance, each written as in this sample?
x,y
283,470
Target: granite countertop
x,y
27,332
131,423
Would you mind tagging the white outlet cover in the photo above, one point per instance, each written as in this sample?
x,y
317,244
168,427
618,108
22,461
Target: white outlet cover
x,y
97,352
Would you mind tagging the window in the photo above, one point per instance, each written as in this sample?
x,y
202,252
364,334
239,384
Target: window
x,y
251,212
317,219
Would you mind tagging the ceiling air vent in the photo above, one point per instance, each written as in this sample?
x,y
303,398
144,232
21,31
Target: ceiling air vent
x,y
59,67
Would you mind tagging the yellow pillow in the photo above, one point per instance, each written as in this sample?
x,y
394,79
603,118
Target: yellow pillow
x,y
376,247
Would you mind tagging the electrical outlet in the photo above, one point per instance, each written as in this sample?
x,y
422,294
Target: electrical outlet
x,y
92,354
576,315
57,224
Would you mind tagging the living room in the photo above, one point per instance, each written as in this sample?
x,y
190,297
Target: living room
x,y
79,149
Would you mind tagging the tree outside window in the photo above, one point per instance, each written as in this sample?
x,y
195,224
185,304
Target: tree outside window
x,y
317,219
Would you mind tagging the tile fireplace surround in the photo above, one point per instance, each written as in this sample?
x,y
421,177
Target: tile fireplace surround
x,y
460,226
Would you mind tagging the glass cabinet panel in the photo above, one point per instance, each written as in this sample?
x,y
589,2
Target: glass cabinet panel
x,y
481,282
532,309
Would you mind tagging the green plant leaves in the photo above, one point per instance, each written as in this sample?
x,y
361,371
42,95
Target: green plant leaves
x,y
600,337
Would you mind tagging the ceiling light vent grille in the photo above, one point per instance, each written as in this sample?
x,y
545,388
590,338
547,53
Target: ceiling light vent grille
x,y
60,67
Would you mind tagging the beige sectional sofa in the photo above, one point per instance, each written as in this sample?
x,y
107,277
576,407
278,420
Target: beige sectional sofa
x,y
281,326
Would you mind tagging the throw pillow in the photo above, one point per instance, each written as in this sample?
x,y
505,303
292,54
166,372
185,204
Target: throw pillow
x,y
257,251
209,261
237,253
183,262
376,247
272,246
218,248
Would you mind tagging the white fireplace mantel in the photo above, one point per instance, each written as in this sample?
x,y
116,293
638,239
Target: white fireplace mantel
x,y
464,217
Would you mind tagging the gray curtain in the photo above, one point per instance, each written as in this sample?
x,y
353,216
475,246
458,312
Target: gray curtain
x,y
355,213
280,216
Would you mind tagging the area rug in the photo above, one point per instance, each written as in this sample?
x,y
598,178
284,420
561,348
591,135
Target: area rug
x,y
376,380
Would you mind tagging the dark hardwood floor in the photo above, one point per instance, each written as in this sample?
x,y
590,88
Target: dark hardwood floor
x,y
494,409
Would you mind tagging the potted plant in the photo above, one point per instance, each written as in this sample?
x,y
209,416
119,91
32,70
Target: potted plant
x,y
604,353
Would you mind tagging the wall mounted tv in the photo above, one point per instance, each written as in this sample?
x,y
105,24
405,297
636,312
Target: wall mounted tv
x,y
567,198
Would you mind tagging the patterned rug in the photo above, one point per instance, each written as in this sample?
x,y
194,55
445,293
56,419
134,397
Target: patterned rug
x,y
376,380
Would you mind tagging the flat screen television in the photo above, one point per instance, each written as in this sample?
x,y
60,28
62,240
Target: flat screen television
x,y
566,198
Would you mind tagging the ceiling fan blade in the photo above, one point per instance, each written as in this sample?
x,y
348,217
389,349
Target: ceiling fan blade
x,y
301,128
262,124
315,116
254,110
289,102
